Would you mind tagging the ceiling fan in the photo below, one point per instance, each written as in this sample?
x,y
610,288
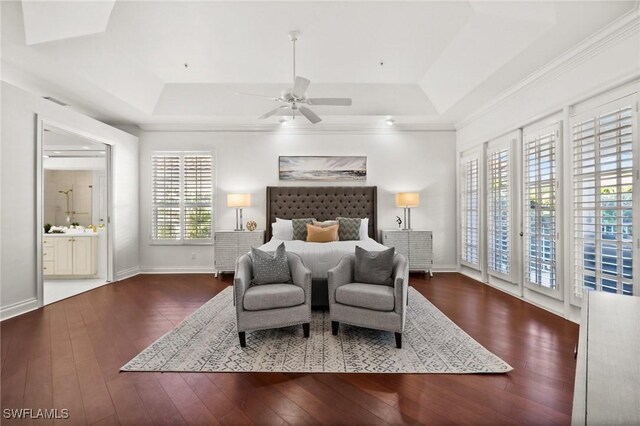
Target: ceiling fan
x,y
295,99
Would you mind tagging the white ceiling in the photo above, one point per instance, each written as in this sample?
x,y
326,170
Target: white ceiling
x,y
56,139
124,61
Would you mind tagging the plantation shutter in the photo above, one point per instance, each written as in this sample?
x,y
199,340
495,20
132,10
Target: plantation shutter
x,y
603,185
470,202
182,198
499,209
198,193
539,207
165,223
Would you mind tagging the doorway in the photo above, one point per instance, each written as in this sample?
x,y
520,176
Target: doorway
x,y
75,200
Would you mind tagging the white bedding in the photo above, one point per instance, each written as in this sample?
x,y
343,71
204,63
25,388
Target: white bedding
x,y
320,257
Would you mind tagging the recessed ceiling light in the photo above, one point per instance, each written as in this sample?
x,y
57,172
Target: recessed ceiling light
x,y
85,147
45,156
390,121
57,152
283,122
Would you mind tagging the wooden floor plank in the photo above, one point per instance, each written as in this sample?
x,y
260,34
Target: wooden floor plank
x,y
128,404
77,346
245,400
95,395
68,396
186,401
39,387
158,404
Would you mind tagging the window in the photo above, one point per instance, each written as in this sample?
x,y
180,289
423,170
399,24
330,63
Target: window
x,y
539,209
182,197
470,201
498,210
603,178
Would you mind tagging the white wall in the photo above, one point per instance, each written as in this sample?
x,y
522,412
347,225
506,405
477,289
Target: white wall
x,y
602,68
248,162
18,292
613,59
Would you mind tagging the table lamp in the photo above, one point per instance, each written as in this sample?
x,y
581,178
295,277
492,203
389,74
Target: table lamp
x,y
407,200
238,201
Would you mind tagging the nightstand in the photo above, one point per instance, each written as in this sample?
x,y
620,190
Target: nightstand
x,y
416,246
229,245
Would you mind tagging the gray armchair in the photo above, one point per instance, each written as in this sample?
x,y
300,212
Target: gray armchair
x,y
266,306
376,306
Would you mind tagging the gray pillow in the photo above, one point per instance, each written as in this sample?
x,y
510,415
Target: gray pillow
x,y
270,268
300,228
349,228
374,267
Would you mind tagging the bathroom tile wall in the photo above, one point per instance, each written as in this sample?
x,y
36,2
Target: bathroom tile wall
x,y
55,203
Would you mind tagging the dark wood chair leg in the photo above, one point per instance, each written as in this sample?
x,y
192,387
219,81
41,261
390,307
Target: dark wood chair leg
x,y
243,340
334,327
305,329
399,340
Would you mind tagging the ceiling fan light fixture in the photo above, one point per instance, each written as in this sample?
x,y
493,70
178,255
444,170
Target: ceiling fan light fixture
x,y
295,97
283,122
390,121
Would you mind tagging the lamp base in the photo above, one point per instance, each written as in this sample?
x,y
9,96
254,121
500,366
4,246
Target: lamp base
x,y
239,220
407,219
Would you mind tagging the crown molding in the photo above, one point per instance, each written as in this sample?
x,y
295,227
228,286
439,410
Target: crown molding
x,y
620,29
298,130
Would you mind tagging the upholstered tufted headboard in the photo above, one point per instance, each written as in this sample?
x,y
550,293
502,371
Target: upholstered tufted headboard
x,y
322,203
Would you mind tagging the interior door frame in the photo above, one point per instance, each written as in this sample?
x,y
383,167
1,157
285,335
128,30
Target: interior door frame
x,y
43,122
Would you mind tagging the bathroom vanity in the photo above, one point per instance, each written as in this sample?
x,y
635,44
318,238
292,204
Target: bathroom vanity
x,y
73,254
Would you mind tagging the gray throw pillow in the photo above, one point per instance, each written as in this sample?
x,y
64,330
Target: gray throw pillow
x,y
300,228
349,229
270,268
374,267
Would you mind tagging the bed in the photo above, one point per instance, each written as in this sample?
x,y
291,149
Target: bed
x,y
322,203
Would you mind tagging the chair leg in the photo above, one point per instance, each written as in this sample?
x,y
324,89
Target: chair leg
x,y
399,340
305,329
334,327
243,340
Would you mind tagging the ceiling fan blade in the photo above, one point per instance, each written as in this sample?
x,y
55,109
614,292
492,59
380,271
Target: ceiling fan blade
x,y
300,87
311,116
272,112
329,101
258,96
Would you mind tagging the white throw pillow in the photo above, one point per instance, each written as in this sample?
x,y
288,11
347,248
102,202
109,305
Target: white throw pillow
x,y
364,229
282,229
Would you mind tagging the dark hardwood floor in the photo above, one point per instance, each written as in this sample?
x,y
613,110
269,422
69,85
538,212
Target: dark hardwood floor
x,y
68,354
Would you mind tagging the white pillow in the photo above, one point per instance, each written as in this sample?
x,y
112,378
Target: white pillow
x,y
282,229
364,229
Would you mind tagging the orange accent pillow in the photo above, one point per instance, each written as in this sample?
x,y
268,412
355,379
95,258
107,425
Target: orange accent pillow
x,y
316,234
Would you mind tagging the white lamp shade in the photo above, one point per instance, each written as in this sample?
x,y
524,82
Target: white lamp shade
x,y
238,200
407,199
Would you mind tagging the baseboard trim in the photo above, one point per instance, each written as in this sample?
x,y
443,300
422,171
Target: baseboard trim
x,y
127,273
176,270
522,298
445,268
18,308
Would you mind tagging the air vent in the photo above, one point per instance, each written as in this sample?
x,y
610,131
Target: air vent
x,y
55,101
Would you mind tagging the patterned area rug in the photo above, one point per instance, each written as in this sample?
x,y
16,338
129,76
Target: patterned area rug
x,y
207,341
